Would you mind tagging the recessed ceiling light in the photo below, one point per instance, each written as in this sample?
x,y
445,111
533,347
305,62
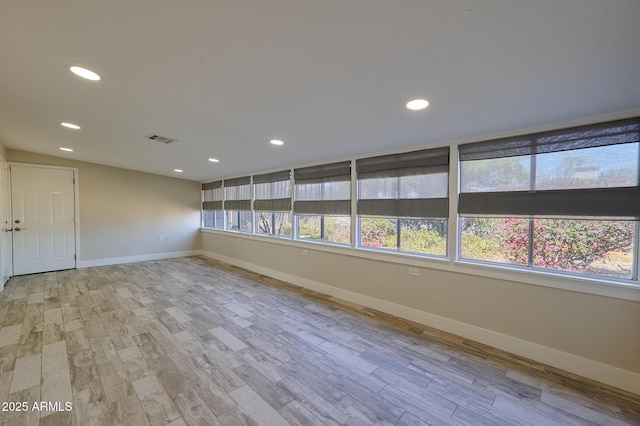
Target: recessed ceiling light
x,y
214,160
417,104
178,170
66,149
84,73
277,142
70,126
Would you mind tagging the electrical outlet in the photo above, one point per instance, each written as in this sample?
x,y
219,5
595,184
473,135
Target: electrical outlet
x,y
305,252
414,271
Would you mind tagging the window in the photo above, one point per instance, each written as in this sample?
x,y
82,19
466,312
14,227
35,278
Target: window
x,y
212,214
272,203
237,204
238,220
329,228
322,204
403,201
566,200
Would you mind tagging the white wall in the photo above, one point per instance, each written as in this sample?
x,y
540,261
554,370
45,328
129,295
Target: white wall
x,y
122,212
590,335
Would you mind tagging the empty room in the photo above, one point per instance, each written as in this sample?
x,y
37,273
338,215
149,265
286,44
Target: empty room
x,y
288,212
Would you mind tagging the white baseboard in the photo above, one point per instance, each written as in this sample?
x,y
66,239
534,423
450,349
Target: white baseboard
x,y
614,376
132,259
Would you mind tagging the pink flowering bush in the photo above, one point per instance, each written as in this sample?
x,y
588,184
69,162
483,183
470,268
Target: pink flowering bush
x,y
378,233
512,236
572,245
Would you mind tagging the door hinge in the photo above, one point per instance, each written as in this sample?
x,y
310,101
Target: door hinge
x,y
74,181
74,257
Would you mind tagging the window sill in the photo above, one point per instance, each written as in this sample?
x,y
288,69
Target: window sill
x,y
587,284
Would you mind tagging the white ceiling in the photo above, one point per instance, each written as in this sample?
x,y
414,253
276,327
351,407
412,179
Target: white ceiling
x,y
328,77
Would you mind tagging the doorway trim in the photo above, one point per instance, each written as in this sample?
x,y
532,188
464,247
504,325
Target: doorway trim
x,y
76,201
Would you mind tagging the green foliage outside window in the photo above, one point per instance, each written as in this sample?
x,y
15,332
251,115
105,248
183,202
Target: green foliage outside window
x,y
602,247
417,236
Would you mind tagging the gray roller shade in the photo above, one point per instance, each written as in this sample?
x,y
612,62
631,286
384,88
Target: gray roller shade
x,y
405,164
609,202
212,205
245,180
265,199
276,205
337,207
385,181
434,208
589,202
212,185
333,172
211,188
324,173
237,205
602,134
272,177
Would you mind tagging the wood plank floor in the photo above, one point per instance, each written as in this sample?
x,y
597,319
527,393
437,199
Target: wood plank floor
x,y
191,341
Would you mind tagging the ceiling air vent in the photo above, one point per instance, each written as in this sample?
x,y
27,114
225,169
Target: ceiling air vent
x,y
162,139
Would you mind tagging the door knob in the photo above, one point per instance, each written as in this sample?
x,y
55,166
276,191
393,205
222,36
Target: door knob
x,y
19,229
17,220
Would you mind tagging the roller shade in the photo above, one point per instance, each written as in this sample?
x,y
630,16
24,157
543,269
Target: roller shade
x,y
272,191
324,189
212,205
272,177
237,193
589,183
408,208
212,195
336,207
610,202
245,180
404,164
334,172
410,185
603,134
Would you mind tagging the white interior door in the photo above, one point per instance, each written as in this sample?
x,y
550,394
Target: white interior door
x,y
43,216
6,249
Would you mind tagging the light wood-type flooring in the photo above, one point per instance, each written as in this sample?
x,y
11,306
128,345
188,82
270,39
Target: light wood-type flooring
x,y
191,341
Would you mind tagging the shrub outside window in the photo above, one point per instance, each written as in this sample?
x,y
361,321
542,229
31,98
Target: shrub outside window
x,y
327,228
